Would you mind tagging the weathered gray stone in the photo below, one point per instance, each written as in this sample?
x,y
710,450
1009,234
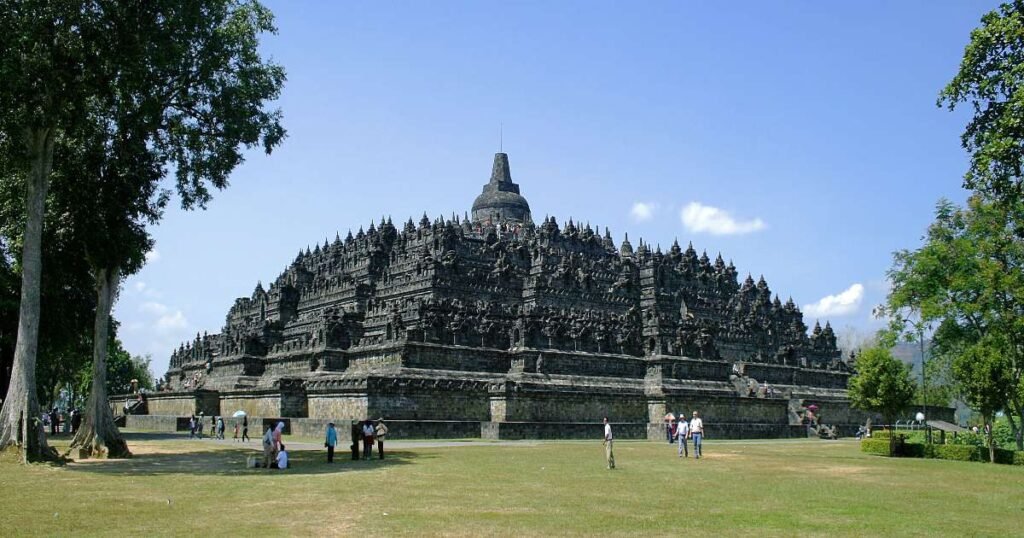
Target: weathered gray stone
x,y
496,320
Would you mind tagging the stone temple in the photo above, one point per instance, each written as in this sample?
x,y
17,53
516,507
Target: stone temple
x,y
496,326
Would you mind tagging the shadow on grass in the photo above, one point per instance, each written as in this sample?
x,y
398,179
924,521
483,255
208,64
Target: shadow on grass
x,y
225,460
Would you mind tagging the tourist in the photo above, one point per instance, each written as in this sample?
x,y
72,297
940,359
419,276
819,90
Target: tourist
x,y
355,434
683,431
668,429
268,447
245,428
608,454
282,458
54,421
278,431
236,433
220,428
331,441
192,427
381,431
76,420
697,432
199,425
214,430
367,439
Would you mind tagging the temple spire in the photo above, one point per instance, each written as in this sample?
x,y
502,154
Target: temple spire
x,y
500,172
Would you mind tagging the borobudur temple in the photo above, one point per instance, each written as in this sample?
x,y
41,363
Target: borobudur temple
x,y
493,325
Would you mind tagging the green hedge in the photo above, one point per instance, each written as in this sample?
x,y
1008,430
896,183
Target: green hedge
x,y
957,452
880,447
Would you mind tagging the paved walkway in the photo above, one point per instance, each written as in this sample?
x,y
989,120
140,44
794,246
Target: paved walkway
x,y
308,444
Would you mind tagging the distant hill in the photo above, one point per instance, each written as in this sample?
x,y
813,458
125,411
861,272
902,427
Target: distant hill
x,y
910,353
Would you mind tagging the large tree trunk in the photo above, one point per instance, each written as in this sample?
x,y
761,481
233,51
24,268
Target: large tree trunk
x,y
988,437
22,402
99,436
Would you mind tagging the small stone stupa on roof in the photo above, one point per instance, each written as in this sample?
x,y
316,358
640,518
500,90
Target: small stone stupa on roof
x,y
500,200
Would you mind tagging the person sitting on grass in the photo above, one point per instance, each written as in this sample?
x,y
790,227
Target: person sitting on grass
x,y
282,458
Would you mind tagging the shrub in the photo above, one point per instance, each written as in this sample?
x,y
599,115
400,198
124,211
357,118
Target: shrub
x,y
1018,458
957,452
1004,456
968,438
878,447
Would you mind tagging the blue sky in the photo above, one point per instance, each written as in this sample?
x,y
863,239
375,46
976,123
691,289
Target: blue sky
x,y
799,139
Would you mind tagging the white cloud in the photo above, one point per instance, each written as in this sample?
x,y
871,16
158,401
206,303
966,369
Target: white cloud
x,y
841,304
698,217
172,321
153,308
140,286
643,211
152,256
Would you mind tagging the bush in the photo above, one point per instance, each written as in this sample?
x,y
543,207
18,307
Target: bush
x,y
957,452
1003,456
878,447
953,452
968,438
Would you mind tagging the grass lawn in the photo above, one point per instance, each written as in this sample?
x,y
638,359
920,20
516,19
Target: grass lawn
x,y
763,488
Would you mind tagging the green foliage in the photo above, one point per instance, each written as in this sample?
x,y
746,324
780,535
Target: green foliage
x,y
959,453
968,439
876,446
967,280
882,383
991,82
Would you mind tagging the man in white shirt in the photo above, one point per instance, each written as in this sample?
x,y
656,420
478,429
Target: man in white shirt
x,y
697,432
608,444
683,430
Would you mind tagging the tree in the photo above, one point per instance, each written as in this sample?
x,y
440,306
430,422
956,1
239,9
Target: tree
x,y
47,68
173,84
968,278
991,80
212,89
985,375
882,385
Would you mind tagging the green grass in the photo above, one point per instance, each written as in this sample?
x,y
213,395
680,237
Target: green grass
x,y
784,488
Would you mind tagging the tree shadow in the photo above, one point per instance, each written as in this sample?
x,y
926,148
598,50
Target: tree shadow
x,y
225,460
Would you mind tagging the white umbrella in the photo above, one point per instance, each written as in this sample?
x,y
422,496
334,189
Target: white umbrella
x,y
239,413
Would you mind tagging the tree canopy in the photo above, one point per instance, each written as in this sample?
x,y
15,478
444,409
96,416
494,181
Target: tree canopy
x,y
881,384
991,81
968,279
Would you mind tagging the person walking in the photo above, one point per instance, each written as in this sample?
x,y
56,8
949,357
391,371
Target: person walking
x,y
367,439
235,437
245,428
278,431
697,432
192,427
381,431
683,431
268,447
608,454
331,441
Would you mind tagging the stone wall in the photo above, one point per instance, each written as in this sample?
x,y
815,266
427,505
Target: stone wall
x,y
342,405
254,403
571,406
405,402
722,409
179,403
561,430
